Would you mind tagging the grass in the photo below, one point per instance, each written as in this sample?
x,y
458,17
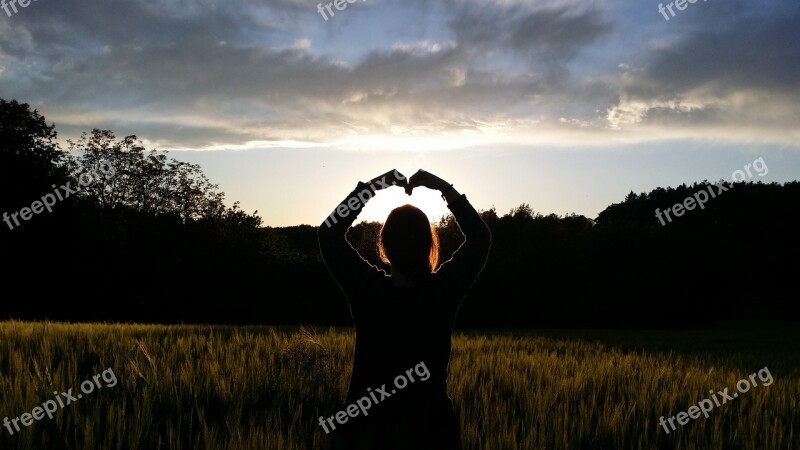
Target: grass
x,y
220,387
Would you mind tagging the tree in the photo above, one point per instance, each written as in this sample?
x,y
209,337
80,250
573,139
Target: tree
x,y
29,155
147,182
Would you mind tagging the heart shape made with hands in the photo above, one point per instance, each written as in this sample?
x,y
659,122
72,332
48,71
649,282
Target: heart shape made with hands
x,y
407,185
424,179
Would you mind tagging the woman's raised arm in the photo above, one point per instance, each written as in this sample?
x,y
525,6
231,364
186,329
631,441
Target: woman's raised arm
x,y
460,271
342,260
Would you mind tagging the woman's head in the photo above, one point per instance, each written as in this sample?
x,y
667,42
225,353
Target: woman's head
x,y
408,242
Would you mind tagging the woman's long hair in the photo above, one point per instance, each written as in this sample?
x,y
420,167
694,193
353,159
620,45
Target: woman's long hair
x,y
408,242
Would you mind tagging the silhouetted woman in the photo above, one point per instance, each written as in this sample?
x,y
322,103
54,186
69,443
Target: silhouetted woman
x,y
404,320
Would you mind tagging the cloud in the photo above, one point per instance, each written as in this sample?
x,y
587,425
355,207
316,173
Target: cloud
x,y
549,34
213,73
740,71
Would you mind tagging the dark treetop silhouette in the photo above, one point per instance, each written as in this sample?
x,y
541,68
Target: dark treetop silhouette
x,y
404,318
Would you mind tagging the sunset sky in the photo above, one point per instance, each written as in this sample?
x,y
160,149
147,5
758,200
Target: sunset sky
x,y
564,105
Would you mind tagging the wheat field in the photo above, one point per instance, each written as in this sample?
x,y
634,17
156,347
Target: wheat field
x,y
227,387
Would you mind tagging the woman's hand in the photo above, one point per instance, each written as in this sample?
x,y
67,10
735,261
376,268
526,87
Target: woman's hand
x,y
389,179
428,180
431,181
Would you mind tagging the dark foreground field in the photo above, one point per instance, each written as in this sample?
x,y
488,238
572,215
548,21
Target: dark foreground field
x,y
202,387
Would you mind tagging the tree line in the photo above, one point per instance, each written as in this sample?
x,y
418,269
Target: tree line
x,y
156,243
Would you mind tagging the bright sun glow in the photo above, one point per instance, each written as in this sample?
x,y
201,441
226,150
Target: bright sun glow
x,y
430,202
